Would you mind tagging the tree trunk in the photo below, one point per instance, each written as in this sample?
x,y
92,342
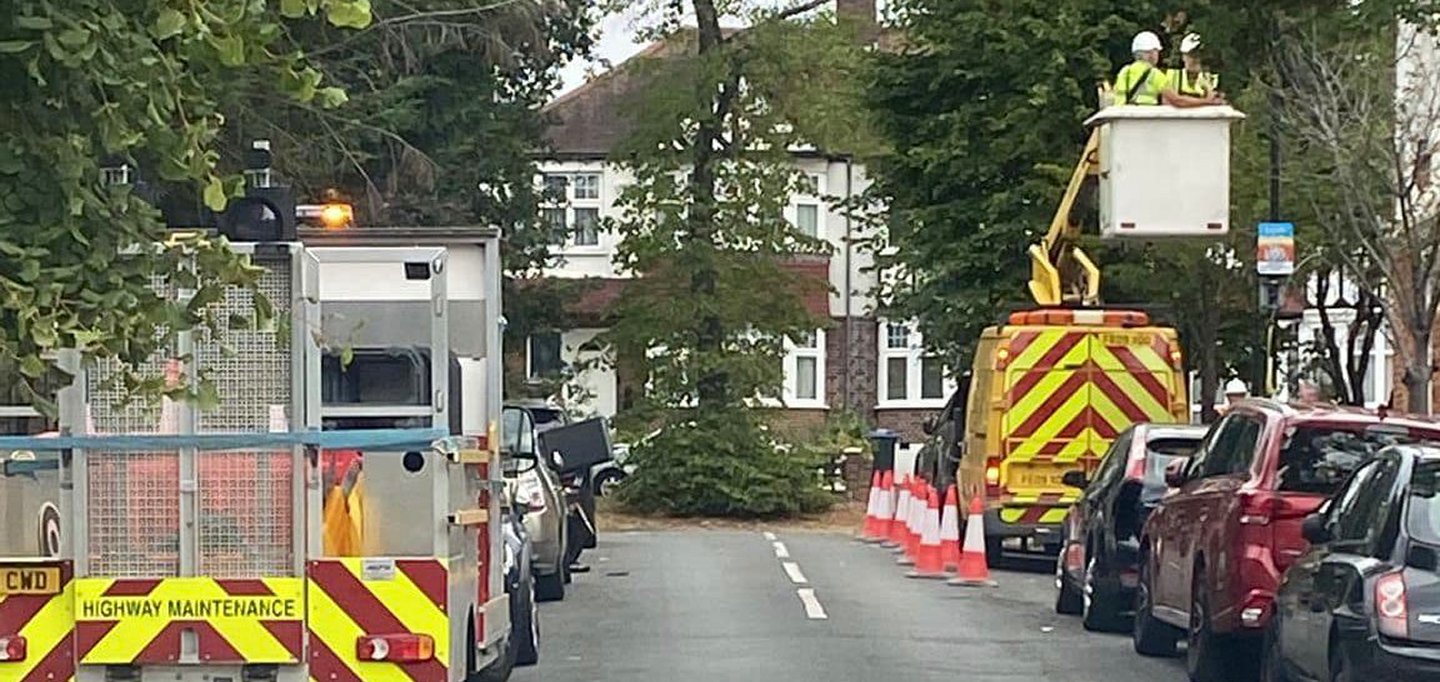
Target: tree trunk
x,y
1417,372
710,332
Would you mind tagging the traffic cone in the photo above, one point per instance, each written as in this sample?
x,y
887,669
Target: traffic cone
x,y
901,516
973,570
871,527
916,517
886,510
950,531
928,563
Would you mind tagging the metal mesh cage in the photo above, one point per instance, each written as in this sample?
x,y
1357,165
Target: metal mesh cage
x,y
134,505
108,406
251,368
246,515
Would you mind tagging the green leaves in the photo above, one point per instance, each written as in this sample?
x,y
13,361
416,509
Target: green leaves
x,y
215,196
348,13
168,24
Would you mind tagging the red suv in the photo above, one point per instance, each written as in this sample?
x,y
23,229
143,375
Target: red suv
x,y
1212,554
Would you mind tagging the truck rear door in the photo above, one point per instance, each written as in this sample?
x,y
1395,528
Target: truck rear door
x,y
1131,381
1047,419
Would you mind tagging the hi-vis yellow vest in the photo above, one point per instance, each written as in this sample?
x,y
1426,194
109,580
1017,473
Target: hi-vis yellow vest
x,y
1194,86
1140,83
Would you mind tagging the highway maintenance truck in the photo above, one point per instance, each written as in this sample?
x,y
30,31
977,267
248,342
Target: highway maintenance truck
x,y
218,544
1053,385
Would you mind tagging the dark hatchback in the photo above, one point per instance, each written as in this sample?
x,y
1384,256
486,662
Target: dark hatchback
x,y
1363,603
1097,571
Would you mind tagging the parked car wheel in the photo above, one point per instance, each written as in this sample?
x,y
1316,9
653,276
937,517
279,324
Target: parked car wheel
x,y
1339,666
525,626
1100,614
606,481
551,587
1150,636
1068,600
1205,659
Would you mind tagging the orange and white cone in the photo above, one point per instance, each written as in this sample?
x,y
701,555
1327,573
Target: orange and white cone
x,y
869,532
901,516
928,563
916,517
887,506
950,531
973,570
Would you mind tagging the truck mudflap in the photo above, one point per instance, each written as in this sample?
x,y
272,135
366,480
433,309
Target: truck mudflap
x,y
357,600
37,608
136,621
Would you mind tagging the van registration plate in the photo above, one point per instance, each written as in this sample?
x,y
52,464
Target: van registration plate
x,y
1037,476
29,580
1116,339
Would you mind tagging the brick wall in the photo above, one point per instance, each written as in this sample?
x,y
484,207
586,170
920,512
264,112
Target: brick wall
x,y
905,422
859,359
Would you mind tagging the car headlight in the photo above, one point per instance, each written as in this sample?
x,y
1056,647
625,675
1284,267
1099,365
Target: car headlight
x,y
509,558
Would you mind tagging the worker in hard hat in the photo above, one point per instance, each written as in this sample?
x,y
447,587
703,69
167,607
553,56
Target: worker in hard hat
x,y
1144,82
1235,391
1192,79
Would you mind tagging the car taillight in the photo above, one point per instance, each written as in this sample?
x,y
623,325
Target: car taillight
x,y
992,472
1391,610
1135,468
395,648
12,648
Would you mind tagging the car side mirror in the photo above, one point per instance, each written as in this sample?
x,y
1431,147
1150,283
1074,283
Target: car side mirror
x,y
1314,530
1074,479
928,426
1176,472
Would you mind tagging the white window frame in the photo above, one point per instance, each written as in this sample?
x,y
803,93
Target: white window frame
x,y
530,355
572,202
792,212
913,353
793,353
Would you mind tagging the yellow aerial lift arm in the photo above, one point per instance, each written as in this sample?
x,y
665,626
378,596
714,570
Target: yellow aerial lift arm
x,y
1060,271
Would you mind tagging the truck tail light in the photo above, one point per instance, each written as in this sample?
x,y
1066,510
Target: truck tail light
x,y
395,648
12,648
1391,610
992,474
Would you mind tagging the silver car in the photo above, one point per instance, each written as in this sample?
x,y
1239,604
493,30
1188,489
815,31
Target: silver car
x,y
536,486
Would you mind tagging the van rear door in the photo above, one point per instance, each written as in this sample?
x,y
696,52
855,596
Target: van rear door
x,y
1131,381
1047,419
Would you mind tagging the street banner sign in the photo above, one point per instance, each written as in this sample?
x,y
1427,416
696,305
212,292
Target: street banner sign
x,y
1275,254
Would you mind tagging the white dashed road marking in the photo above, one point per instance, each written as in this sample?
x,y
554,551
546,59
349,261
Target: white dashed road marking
x,y
781,551
792,569
813,609
769,536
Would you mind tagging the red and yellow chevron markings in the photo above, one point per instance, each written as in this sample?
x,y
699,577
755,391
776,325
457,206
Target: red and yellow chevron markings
x,y
37,603
140,621
351,598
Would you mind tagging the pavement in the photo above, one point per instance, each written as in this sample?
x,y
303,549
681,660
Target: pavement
x,y
729,605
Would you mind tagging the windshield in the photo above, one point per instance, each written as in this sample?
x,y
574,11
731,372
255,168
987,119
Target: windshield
x,y
1423,517
1318,459
1159,453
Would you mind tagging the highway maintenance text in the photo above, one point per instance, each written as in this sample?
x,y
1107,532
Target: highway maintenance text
x,y
260,608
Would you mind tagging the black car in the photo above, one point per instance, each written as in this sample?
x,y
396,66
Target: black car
x,y
1098,569
1363,602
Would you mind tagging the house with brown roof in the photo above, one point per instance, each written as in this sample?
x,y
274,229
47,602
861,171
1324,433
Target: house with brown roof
x,y
875,367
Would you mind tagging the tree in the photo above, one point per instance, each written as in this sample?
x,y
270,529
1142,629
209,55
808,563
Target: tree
x,y
1364,99
142,82
703,227
440,127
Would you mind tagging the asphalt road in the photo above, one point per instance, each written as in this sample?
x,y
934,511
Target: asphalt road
x,y
722,606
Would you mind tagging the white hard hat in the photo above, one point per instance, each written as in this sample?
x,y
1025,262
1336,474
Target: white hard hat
x,y
1236,387
1145,41
1190,44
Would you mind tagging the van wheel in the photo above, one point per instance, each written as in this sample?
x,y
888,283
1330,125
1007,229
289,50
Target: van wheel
x,y
1150,636
499,671
994,546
